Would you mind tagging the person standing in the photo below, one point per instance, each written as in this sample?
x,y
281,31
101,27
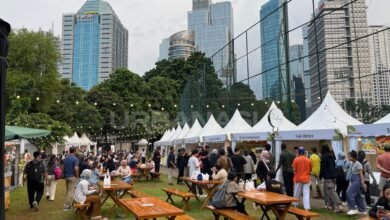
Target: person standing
x,y
342,166
285,161
36,176
328,173
354,197
224,160
383,165
367,172
71,174
238,162
157,159
171,165
194,169
143,156
302,167
51,182
315,173
263,166
204,156
27,156
181,163
213,158
249,167
271,157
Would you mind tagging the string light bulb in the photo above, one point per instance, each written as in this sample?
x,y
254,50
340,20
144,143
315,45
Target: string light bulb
x,y
18,97
37,98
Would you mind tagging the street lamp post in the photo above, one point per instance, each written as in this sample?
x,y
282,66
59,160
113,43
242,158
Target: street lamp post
x,y
5,28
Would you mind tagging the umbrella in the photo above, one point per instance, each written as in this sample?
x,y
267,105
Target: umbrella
x,y
15,132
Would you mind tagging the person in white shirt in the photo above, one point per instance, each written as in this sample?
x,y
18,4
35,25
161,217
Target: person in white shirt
x,y
194,168
84,194
143,156
125,172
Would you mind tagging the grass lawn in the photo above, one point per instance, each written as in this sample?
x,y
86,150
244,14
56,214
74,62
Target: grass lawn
x,y
53,210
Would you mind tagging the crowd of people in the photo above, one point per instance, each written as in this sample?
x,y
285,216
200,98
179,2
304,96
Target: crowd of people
x,y
339,182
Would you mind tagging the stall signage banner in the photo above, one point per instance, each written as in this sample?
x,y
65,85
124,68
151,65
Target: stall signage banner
x,y
192,140
256,136
214,138
324,134
369,130
369,145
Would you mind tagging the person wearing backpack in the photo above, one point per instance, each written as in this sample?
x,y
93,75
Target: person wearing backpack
x,y
225,195
367,172
36,176
342,165
51,181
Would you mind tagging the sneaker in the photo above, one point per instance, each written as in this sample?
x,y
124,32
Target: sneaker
x,y
344,203
36,207
353,212
363,213
66,209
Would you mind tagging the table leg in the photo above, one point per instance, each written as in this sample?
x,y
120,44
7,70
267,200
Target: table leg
x,y
190,189
114,196
169,198
186,203
210,193
281,213
264,209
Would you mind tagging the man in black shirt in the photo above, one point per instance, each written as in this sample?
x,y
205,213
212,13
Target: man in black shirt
x,y
171,165
285,161
157,159
204,156
181,164
238,162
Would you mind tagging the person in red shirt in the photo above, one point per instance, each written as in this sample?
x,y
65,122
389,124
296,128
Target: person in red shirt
x,y
383,165
302,167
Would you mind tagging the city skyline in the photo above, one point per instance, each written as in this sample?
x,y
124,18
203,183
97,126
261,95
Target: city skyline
x,y
160,19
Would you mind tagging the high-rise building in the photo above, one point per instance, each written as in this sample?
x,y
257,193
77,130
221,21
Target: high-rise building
x,y
306,70
337,33
94,43
273,51
213,28
380,64
178,45
297,78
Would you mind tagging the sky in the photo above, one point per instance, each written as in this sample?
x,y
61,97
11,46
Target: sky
x,y
149,21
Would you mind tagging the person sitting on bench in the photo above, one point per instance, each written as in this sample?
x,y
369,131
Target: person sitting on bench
x,y
84,194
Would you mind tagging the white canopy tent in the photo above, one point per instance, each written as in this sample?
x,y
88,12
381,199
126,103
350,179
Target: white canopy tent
x,y
169,140
236,123
262,130
210,129
328,122
192,136
179,138
169,135
74,140
378,128
164,136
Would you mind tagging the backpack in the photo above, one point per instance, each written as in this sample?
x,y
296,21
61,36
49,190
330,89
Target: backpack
x,y
34,171
218,200
57,173
340,174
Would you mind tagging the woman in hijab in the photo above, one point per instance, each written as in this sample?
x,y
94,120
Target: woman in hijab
x,y
85,194
262,168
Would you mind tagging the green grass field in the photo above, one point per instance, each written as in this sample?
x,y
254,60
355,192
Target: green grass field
x,y
53,210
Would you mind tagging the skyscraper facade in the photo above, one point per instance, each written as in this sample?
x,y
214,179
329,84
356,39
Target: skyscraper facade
x,y
343,64
163,49
181,45
297,78
94,43
212,25
273,52
380,64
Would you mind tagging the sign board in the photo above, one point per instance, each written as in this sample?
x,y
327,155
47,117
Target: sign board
x,y
214,138
255,136
275,118
369,130
322,134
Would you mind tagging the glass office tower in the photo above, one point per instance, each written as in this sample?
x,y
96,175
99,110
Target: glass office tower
x,y
94,44
274,76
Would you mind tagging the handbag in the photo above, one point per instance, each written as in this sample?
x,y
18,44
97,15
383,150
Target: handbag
x,y
348,175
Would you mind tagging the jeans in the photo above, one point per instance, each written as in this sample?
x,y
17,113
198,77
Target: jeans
x,y
127,179
181,174
341,187
303,188
35,192
354,196
51,187
288,183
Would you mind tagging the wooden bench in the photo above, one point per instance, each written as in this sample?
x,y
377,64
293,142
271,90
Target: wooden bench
x,y
302,214
184,217
81,209
186,196
229,214
137,194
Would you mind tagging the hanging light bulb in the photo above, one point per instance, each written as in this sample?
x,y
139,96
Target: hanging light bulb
x,y
252,104
238,104
114,104
266,103
150,105
162,109
175,106
192,106
77,102
223,106
37,98
58,101
95,103
18,97
207,106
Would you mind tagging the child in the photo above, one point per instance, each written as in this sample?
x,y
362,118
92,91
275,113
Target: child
x,y
381,210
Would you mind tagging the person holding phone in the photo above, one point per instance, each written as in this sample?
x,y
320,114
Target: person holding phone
x,y
381,210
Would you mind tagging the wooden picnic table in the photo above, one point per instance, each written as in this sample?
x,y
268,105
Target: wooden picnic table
x,y
208,185
278,203
150,208
112,191
144,172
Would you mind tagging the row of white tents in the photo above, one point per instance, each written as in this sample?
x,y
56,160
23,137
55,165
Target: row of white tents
x,y
328,122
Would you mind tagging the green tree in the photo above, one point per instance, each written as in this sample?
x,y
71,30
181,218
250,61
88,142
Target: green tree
x,y
32,73
43,121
